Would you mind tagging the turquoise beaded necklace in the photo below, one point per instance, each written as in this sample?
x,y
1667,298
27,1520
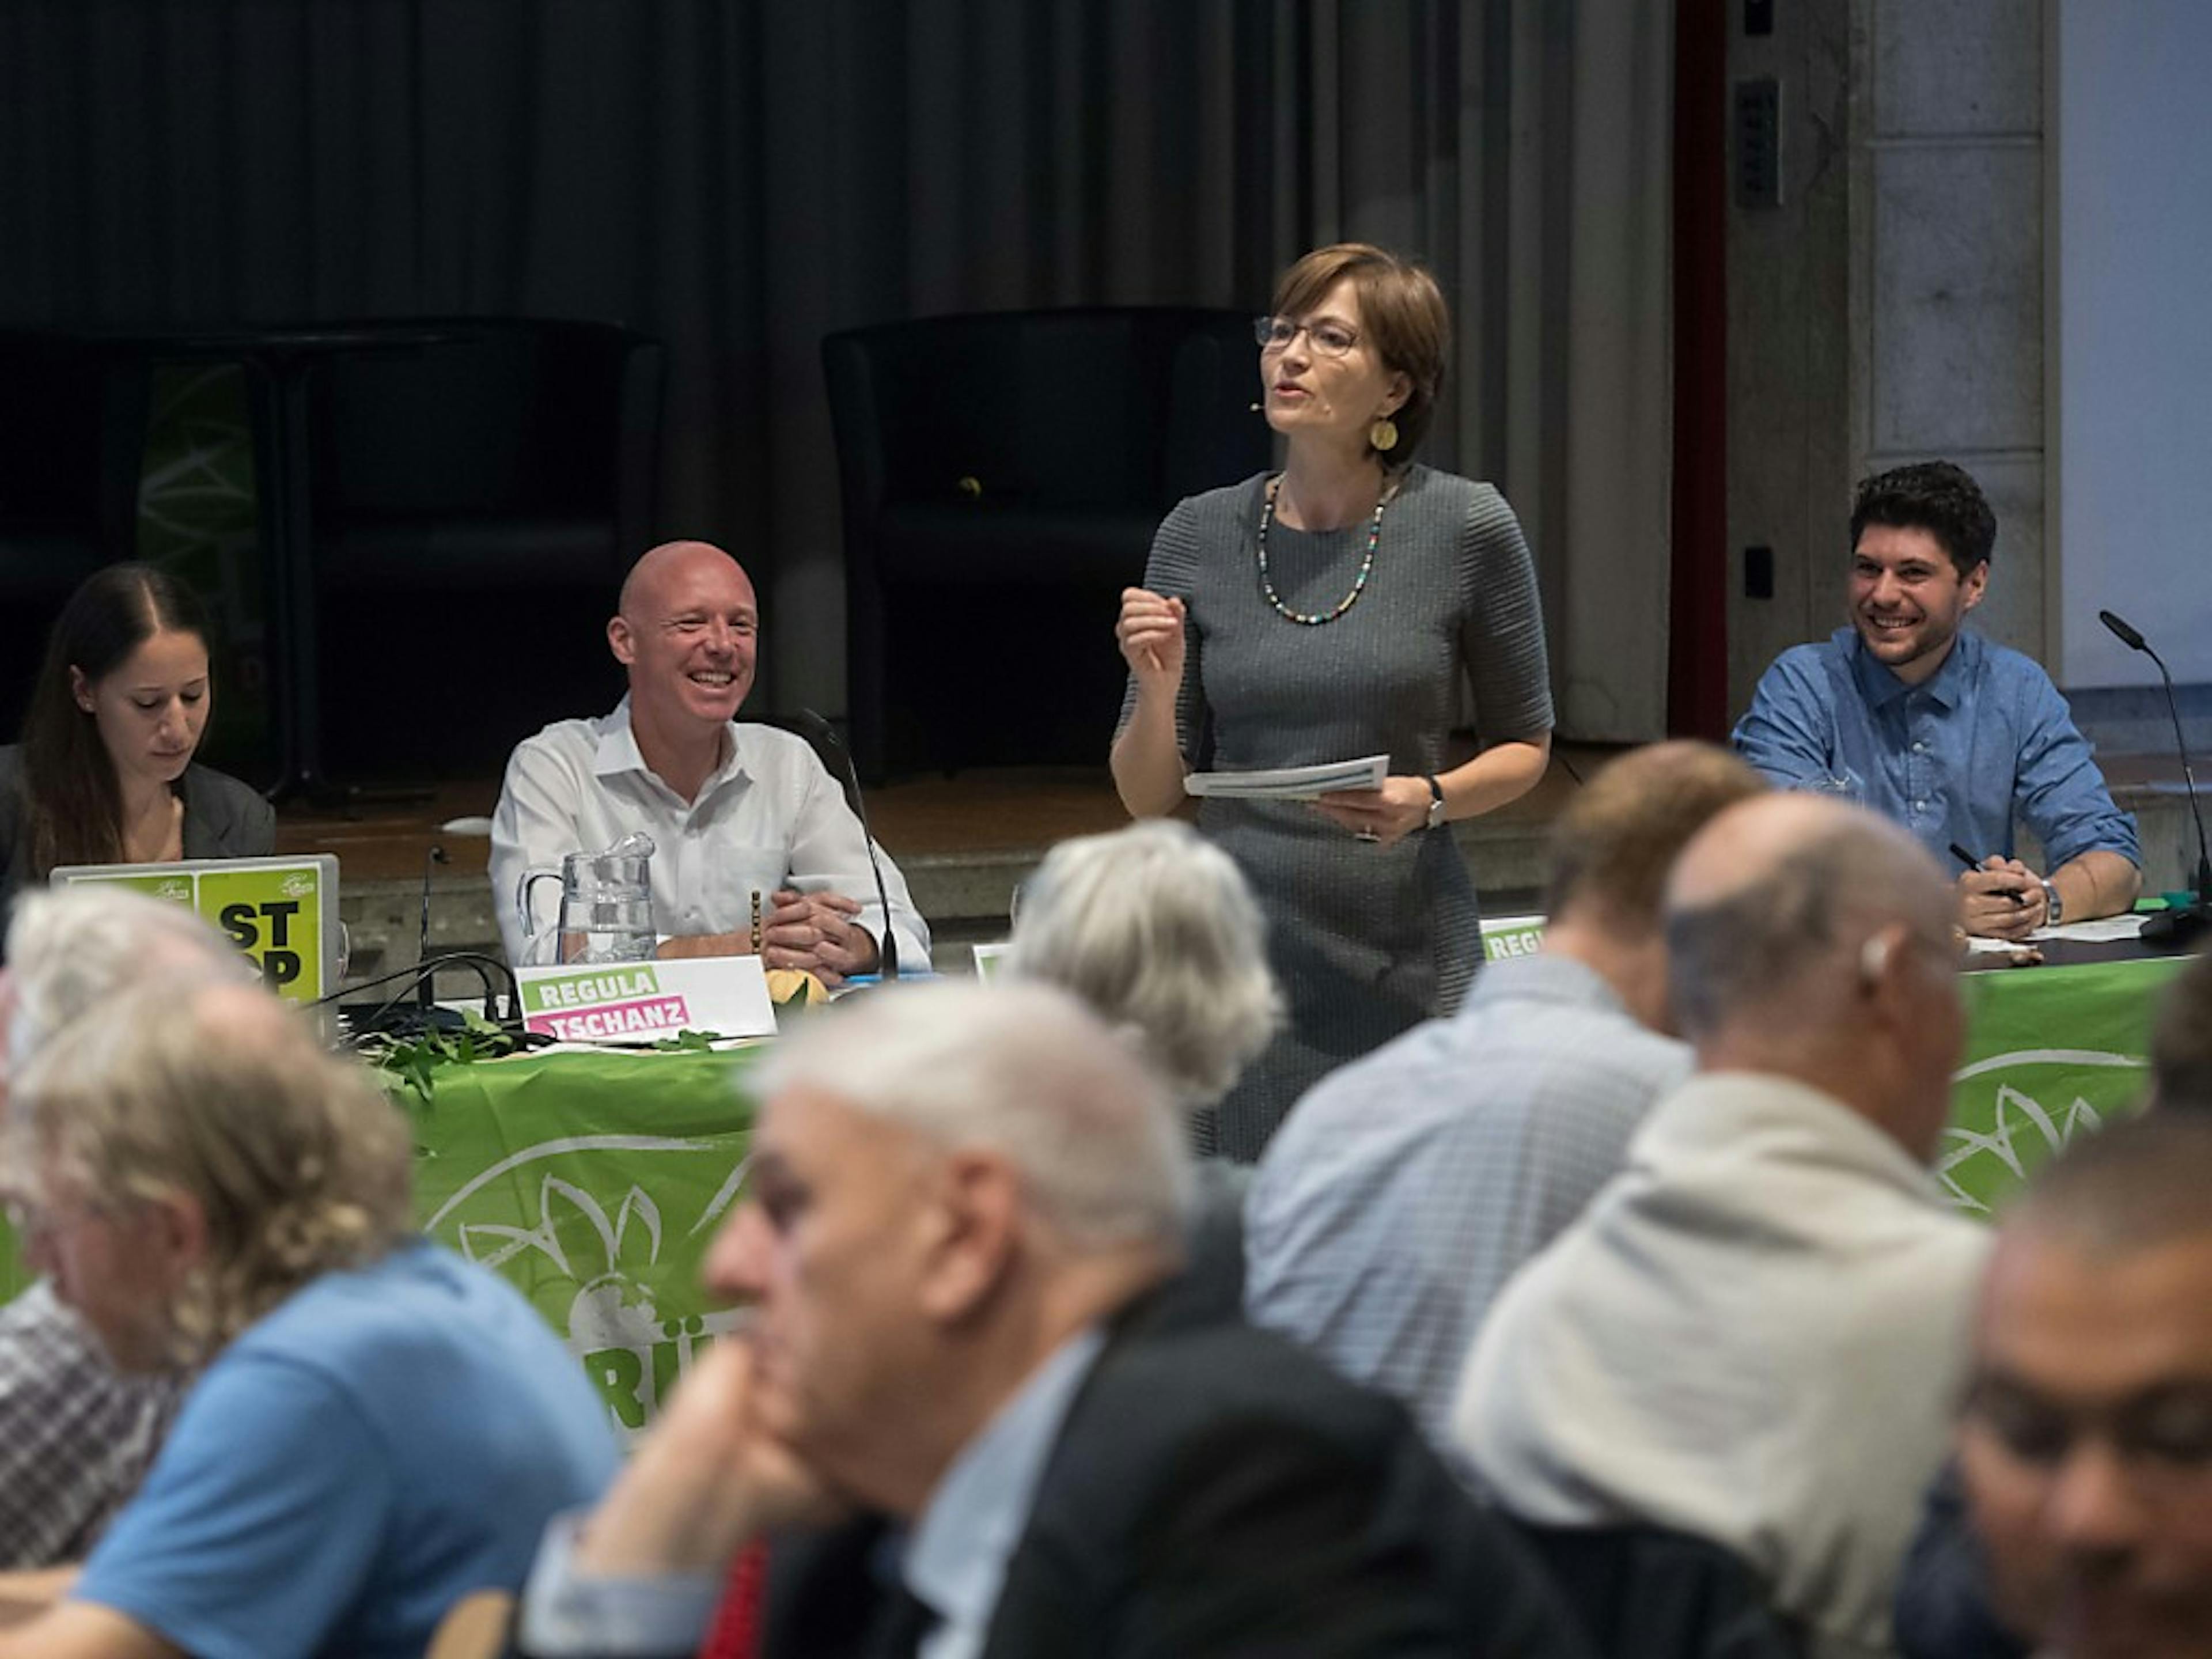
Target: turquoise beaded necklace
x,y
1314,619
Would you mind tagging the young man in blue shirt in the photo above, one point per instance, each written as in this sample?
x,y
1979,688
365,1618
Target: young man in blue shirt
x,y
1953,737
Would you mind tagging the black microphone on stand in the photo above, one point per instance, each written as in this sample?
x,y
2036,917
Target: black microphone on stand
x,y
2174,926
825,736
424,999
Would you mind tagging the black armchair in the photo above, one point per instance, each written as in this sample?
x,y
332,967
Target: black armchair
x,y
1002,478
479,497
72,436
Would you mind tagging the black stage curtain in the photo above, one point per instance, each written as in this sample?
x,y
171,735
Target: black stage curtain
x,y
740,177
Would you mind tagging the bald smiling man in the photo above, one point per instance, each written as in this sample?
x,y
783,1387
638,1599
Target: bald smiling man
x,y
733,810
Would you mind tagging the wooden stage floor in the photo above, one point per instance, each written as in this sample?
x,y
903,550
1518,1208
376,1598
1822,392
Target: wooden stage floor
x,y
964,842
984,814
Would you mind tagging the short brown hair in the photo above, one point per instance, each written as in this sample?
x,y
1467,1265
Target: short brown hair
x,y
1401,312
1935,497
1612,847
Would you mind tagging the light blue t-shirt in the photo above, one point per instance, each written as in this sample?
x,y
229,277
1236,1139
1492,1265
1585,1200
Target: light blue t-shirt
x,y
384,1442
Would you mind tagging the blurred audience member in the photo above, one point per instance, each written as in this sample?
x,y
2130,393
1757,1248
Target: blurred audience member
x,y
1154,928
1754,1334
380,1429
77,1436
1943,1603
2181,1046
2087,1439
1405,1189
1943,1609
966,1207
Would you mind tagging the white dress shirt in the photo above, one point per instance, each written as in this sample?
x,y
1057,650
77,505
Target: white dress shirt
x,y
769,817
1755,1334
957,1558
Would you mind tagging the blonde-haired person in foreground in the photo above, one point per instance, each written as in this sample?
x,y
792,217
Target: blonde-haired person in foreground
x,y
380,1429
77,1436
1156,930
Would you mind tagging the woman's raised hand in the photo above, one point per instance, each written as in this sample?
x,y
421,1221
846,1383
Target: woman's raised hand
x,y
1150,632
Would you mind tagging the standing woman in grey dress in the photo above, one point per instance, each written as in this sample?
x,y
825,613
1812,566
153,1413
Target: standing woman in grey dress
x,y
1331,611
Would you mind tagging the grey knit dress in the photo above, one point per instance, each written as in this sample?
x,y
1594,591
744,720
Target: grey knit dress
x,y
1365,940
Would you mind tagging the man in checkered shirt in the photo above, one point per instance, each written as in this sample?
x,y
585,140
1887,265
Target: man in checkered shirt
x,y
77,1437
1405,1189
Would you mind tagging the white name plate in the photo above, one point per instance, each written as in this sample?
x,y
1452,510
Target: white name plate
x,y
643,1001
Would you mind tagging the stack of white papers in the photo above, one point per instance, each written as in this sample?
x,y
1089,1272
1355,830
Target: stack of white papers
x,y
2126,924
1290,782
2101,931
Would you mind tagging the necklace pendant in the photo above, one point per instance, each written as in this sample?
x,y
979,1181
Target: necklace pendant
x,y
1311,619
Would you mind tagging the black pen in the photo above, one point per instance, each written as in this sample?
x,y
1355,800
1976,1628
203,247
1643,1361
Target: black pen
x,y
1974,863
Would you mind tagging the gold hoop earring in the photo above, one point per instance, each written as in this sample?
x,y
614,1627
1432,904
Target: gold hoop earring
x,y
1382,436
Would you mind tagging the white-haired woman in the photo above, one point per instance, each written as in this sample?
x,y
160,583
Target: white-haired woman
x,y
1156,928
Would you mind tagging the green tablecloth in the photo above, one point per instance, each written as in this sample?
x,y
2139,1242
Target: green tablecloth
x,y
595,1183
2049,1051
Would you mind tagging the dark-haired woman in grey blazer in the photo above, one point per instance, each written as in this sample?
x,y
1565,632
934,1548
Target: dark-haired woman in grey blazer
x,y
105,773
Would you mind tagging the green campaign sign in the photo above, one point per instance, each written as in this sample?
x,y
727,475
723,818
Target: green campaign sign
x,y
584,990
175,889
279,912
1511,936
275,916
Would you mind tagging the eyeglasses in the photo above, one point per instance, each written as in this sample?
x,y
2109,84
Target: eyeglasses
x,y
1329,338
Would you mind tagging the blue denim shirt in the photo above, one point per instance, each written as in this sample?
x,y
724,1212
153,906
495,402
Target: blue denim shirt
x,y
1985,742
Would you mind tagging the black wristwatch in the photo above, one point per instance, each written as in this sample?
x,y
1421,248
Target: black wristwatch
x,y
1436,800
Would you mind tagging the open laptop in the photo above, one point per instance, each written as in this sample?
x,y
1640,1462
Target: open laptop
x,y
281,912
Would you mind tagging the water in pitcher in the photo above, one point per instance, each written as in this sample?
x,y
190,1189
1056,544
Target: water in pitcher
x,y
606,905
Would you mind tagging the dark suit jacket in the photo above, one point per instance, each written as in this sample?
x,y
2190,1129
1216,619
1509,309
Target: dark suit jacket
x,y
1215,1491
223,819
1943,1609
